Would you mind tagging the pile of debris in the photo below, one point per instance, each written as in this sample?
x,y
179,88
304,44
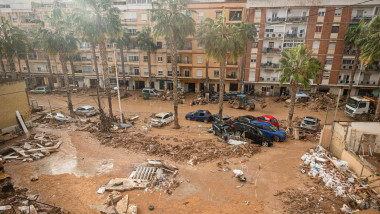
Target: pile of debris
x,y
190,150
168,95
199,100
320,101
37,146
335,174
151,176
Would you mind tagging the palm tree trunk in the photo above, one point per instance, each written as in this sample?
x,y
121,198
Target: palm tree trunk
x,y
123,68
293,87
377,111
11,63
73,72
149,70
31,80
95,64
173,47
242,73
103,57
19,66
51,78
356,61
2,64
62,59
207,78
221,86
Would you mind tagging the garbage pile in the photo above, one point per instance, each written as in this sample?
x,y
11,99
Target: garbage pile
x,y
199,100
189,150
321,100
37,146
169,95
335,174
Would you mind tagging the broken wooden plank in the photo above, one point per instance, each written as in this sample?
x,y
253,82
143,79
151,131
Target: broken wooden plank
x,y
8,157
20,151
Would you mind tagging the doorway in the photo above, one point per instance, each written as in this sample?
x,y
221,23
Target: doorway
x,y
139,84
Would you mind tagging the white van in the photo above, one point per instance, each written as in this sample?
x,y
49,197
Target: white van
x,y
151,91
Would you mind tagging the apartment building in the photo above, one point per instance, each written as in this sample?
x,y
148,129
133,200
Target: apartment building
x,y
193,65
321,25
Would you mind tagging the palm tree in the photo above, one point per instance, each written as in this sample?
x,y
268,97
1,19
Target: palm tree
x,y
352,39
107,20
371,50
85,28
122,40
224,42
26,47
64,41
1,57
145,43
297,66
172,20
8,46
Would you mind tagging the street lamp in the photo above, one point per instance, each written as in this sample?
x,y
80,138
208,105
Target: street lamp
x,y
117,84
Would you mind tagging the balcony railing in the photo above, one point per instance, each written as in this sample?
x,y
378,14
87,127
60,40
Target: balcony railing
x,y
276,19
232,63
349,52
297,19
271,50
129,20
358,18
294,35
231,76
372,68
270,65
184,61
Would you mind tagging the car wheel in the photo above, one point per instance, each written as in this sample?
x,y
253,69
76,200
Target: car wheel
x,y
187,118
206,121
276,138
265,144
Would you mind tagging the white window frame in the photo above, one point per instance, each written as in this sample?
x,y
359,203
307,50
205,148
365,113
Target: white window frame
x,y
332,46
144,17
316,45
200,15
160,72
160,59
199,72
199,59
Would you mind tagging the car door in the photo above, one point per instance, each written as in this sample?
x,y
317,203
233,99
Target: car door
x,y
249,132
266,130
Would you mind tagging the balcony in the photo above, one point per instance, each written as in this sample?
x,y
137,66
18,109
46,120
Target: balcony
x,y
349,66
349,51
129,20
231,76
184,61
270,65
294,35
373,67
276,19
297,19
358,18
271,50
232,63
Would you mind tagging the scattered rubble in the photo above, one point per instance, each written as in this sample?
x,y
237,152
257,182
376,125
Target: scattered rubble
x,y
168,95
37,146
335,175
190,150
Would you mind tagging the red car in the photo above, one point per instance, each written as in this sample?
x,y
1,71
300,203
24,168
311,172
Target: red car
x,y
269,119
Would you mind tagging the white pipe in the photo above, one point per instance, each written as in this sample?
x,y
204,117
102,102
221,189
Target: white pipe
x,y
117,84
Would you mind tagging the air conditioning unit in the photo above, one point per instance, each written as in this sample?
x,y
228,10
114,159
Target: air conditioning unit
x,y
268,79
361,82
341,81
280,35
344,67
273,35
261,78
267,35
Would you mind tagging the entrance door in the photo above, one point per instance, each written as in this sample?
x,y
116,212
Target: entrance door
x,y
191,87
233,87
139,84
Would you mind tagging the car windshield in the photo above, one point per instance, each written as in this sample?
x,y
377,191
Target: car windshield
x,y
158,117
91,108
353,103
273,120
273,128
155,91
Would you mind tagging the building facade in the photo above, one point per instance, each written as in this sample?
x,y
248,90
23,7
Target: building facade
x,y
280,25
321,25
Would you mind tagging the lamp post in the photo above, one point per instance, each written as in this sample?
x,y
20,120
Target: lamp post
x,y
117,84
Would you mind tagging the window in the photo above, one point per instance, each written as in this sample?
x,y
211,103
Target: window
x,y
187,72
160,72
338,12
335,29
24,67
144,17
328,62
362,105
200,15
253,59
133,58
159,45
316,45
235,15
170,72
145,58
87,69
218,14
199,59
258,13
318,29
132,30
159,58
130,17
136,71
216,73
332,45
39,69
109,59
146,71
269,30
255,44
348,61
14,19
169,58
199,73
199,46
321,12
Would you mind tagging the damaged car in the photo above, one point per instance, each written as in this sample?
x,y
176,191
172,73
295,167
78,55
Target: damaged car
x,y
200,115
162,119
87,111
310,123
223,130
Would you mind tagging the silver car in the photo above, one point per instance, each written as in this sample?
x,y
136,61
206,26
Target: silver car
x,y
87,111
41,90
310,123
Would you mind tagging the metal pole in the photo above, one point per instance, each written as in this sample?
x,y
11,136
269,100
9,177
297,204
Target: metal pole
x,y
333,124
117,84
327,112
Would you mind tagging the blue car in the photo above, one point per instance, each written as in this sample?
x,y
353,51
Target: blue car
x,y
200,115
270,130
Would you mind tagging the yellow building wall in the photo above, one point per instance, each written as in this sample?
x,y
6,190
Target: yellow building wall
x,y
13,97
